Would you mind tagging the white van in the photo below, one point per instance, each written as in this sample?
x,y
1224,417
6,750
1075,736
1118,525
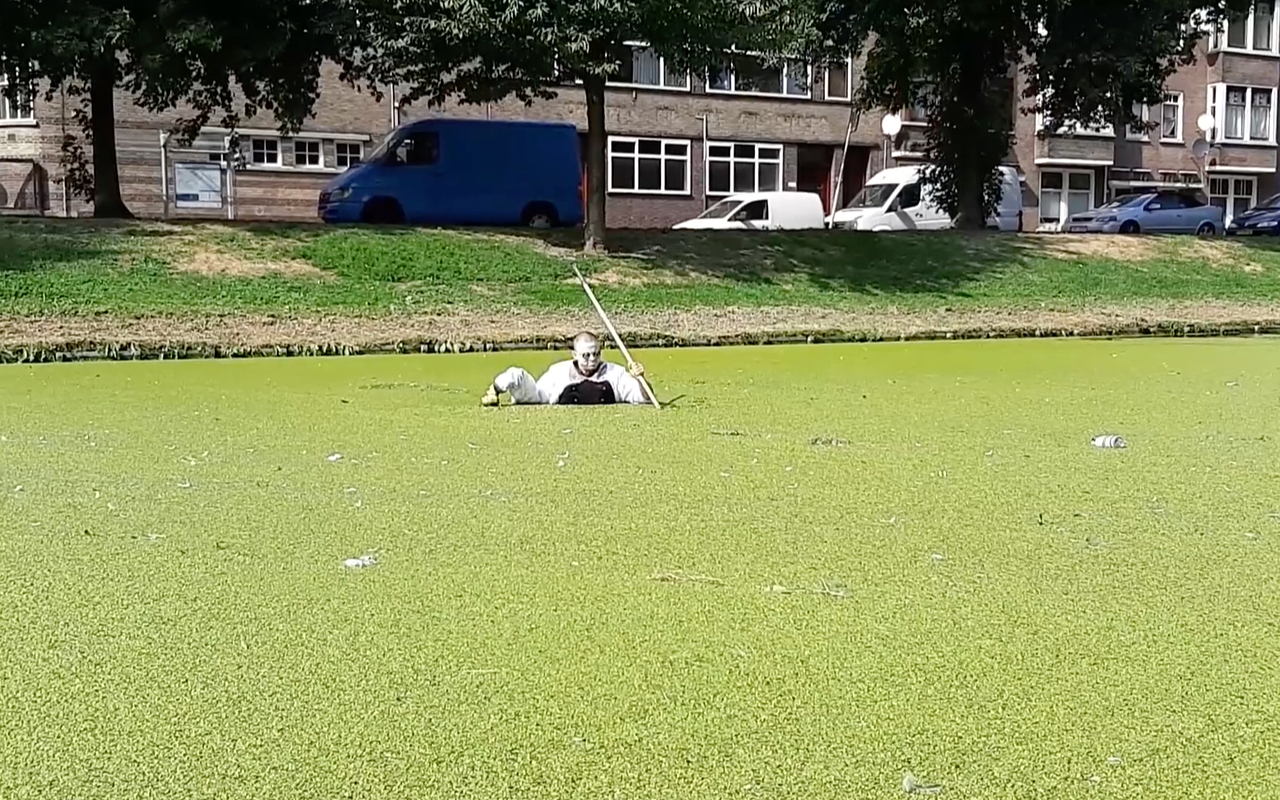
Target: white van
x,y
760,211
895,200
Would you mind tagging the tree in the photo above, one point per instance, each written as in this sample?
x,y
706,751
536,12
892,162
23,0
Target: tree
x,y
1083,61
231,57
476,51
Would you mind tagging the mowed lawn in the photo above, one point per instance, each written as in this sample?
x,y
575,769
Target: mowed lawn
x,y
816,570
87,267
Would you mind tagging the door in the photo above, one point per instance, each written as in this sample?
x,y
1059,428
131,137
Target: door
x,y
813,172
754,216
1163,214
417,174
854,175
910,209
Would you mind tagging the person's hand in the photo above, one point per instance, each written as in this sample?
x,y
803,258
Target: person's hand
x,y
636,369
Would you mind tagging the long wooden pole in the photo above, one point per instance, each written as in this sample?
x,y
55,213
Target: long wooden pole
x,y
616,338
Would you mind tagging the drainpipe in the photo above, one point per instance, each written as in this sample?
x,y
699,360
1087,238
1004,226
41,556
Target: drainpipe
x,y
164,172
703,118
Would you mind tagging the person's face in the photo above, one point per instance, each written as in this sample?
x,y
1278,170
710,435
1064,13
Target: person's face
x,y
587,357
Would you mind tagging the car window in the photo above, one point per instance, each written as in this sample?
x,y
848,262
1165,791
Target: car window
x,y
910,197
419,149
1191,201
1162,202
756,211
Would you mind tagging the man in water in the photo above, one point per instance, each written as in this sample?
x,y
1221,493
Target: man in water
x,y
585,379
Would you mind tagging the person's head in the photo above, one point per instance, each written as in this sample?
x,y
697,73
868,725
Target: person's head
x,y
586,353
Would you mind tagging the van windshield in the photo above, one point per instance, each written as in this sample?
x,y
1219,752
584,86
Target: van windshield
x,y
380,152
721,210
873,195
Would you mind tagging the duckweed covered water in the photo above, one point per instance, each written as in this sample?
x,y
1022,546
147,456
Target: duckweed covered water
x,y
820,569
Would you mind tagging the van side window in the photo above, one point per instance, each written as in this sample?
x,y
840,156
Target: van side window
x,y
910,196
419,149
757,211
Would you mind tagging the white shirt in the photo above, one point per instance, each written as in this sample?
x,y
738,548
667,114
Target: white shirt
x,y
563,374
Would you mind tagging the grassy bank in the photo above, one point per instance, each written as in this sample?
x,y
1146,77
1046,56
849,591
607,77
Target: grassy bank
x,y
76,270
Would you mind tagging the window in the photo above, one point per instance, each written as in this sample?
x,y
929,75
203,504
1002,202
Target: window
x,y
421,149
1255,32
648,166
917,113
756,211
1171,117
348,154
308,153
839,80
641,66
747,74
1071,128
19,109
1244,113
743,168
909,197
1063,193
1233,195
264,152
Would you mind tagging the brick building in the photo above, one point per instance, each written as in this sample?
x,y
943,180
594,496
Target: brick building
x,y
677,143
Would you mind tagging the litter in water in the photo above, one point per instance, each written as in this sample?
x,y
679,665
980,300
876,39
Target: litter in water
x,y
334,457
1109,441
366,560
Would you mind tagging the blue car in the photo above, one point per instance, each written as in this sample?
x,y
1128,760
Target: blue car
x,y
1261,220
1162,211
443,171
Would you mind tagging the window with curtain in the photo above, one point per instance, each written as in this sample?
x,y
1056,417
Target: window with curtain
x,y
1260,114
1263,14
1233,124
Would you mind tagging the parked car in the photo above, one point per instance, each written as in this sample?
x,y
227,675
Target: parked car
x,y
1261,220
1160,211
444,171
894,199
760,211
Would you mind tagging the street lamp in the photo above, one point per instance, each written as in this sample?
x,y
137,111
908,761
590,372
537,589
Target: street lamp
x,y
889,126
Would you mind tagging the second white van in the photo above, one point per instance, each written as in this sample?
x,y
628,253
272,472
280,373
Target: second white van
x,y
895,199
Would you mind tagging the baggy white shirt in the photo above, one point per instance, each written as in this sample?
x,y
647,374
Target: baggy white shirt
x,y
562,375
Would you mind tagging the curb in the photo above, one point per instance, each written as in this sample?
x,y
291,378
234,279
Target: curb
x,y
127,351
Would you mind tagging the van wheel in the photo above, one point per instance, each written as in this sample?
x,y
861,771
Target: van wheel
x,y
1129,226
1206,229
540,216
382,211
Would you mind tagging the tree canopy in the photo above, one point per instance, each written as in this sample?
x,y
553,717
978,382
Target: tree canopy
x,y
230,58
1081,61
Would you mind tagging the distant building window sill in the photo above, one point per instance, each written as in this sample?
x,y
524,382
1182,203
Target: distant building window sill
x,y
1172,141
648,193
762,95
648,87
1240,51
19,123
1244,143
292,170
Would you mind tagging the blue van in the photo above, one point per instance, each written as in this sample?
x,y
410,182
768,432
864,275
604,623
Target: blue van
x,y
443,171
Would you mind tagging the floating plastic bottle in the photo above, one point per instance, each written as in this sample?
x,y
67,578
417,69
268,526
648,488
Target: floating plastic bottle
x,y
1109,440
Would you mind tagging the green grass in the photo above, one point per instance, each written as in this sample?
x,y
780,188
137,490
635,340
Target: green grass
x,y
140,269
1008,608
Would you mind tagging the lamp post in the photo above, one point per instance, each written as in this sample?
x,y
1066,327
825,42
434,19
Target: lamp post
x,y
889,126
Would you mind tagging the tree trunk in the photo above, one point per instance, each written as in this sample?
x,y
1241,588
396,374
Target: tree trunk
x,y
597,141
970,185
107,201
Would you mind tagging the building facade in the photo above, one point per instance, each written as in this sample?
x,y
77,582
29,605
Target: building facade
x,y
677,143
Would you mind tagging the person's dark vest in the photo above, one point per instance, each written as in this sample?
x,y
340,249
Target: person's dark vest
x,y
587,393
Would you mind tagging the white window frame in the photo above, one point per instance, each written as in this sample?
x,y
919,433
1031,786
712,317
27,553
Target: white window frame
x,y
662,69
663,158
11,114
1217,105
254,162
732,90
733,160
1174,99
1231,194
1064,204
1074,128
319,143
339,156
1144,113
1218,35
908,115
826,82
